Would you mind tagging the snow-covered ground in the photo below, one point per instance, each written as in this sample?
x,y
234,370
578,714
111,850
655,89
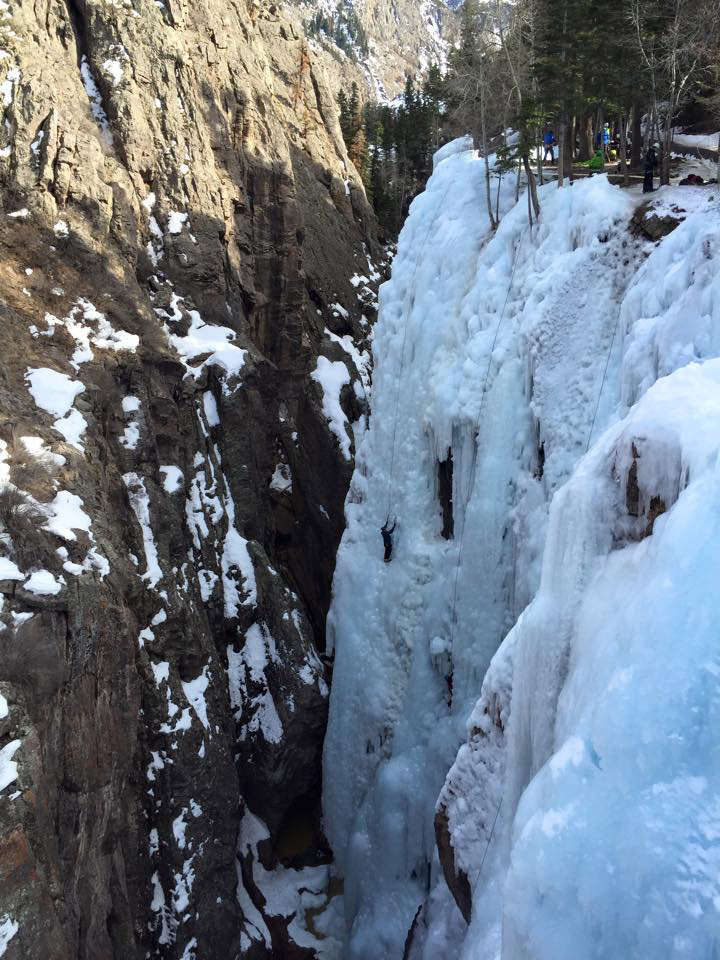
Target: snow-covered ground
x,y
302,897
706,141
519,351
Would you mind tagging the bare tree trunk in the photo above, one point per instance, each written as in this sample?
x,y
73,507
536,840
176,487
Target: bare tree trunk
x,y
623,150
570,149
648,129
540,159
582,145
493,222
402,196
497,200
597,139
530,219
519,92
517,185
667,140
717,173
561,156
588,136
563,116
532,185
483,133
636,145
656,127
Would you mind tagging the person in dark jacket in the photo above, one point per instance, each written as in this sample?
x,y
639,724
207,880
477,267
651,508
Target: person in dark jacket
x,y
549,140
650,164
386,532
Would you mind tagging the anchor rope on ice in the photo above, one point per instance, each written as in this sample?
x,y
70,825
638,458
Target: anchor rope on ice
x,y
411,304
475,445
489,366
604,376
472,484
487,847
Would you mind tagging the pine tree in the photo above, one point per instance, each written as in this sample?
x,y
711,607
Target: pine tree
x,y
345,117
354,110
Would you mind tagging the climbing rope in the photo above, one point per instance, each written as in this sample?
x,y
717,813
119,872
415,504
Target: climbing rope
x,y
587,446
489,366
604,376
462,529
402,352
476,429
487,847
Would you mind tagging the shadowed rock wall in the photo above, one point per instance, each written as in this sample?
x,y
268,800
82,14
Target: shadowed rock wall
x,y
180,228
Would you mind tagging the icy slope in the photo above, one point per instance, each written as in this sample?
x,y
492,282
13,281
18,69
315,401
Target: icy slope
x,y
505,336
615,842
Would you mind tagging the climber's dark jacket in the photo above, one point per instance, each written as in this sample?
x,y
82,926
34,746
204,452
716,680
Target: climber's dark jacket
x,y
386,533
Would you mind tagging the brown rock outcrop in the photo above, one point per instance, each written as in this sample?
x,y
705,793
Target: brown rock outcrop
x,y
455,877
180,222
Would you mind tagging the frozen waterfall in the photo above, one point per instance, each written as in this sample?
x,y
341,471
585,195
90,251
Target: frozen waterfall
x,y
490,352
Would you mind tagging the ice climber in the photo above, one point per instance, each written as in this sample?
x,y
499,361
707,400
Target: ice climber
x,y
386,532
449,682
650,164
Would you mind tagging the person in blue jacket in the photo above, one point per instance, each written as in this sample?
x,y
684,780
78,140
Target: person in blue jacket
x,y
549,140
602,139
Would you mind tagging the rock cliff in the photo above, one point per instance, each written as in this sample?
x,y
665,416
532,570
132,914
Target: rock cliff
x,y
188,270
377,44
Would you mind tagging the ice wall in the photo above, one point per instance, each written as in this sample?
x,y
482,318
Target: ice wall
x,y
594,723
614,847
485,346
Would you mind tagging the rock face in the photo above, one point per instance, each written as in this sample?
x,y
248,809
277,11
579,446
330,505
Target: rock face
x,y
183,352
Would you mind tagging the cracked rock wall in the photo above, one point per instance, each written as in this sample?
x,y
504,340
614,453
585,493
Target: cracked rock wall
x,y
186,253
